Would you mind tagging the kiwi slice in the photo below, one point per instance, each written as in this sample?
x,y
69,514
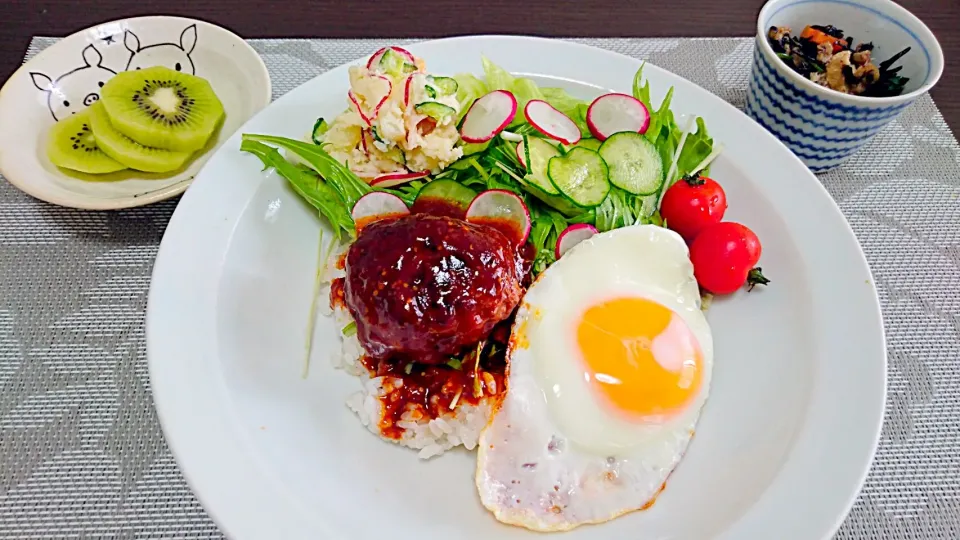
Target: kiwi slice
x,y
130,152
162,108
71,145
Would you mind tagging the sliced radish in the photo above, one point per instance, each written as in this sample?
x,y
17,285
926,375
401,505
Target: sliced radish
x,y
397,179
407,89
375,59
551,122
360,102
406,53
573,235
488,116
613,113
522,154
377,205
503,210
356,103
363,142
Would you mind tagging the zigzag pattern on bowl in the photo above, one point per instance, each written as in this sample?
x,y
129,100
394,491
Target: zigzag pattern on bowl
x,y
815,157
775,81
831,109
808,124
796,133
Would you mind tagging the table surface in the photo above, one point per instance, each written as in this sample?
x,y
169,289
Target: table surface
x,y
433,18
81,453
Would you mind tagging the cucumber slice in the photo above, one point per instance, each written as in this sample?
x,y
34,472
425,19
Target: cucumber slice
x,y
556,201
319,128
537,153
449,191
445,85
396,154
435,110
635,164
430,91
590,144
392,62
392,152
581,175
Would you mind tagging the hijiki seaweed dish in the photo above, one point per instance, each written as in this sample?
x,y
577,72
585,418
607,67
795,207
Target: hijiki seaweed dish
x,y
827,57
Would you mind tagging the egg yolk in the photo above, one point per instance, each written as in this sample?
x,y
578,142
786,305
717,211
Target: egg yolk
x,y
639,356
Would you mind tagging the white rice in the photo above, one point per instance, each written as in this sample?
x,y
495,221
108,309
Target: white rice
x,y
432,437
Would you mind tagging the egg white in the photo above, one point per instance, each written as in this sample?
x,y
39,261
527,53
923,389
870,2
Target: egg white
x,y
551,461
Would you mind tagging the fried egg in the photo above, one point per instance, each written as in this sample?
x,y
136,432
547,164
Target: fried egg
x,y
610,364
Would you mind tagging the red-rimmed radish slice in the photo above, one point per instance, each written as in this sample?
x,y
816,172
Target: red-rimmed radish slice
x,y
367,113
488,116
377,205
406,53
573,235
356,103
375,58
551,122
522,154
397,179
613,113
407,89
503,210
363,142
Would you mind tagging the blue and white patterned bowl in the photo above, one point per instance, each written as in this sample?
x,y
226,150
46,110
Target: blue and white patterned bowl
x,y
824,127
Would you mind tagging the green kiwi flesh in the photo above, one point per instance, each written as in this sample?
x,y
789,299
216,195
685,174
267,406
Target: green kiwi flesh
x,y
129,152
162,108
72,145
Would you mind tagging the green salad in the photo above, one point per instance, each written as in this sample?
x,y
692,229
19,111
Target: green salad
x,y
563,177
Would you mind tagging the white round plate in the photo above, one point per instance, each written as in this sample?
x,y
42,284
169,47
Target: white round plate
x,y
66,77
781,449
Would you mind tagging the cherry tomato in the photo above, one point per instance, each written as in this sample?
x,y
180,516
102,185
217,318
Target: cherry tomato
x,y
692,204
724,255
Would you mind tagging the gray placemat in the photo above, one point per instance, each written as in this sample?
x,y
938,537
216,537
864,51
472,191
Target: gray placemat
x,y
81,452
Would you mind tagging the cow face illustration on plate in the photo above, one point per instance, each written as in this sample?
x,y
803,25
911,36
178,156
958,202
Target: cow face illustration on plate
x,y
172,55
75,89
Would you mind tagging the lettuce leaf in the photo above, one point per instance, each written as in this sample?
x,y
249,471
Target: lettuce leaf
x,y
497,78
469,88
697,147
559,98
641,88
523,89
575,108
666,134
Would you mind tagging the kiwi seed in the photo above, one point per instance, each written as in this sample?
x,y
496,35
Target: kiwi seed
x,y
162,108
129,152
71,144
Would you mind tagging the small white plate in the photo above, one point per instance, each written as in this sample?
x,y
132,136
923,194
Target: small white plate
x,y
67,77
785,438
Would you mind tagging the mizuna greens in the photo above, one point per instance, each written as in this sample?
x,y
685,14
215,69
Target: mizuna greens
x,y
332,188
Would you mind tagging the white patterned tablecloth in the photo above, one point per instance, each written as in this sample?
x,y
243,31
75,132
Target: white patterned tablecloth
x,y
82,454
